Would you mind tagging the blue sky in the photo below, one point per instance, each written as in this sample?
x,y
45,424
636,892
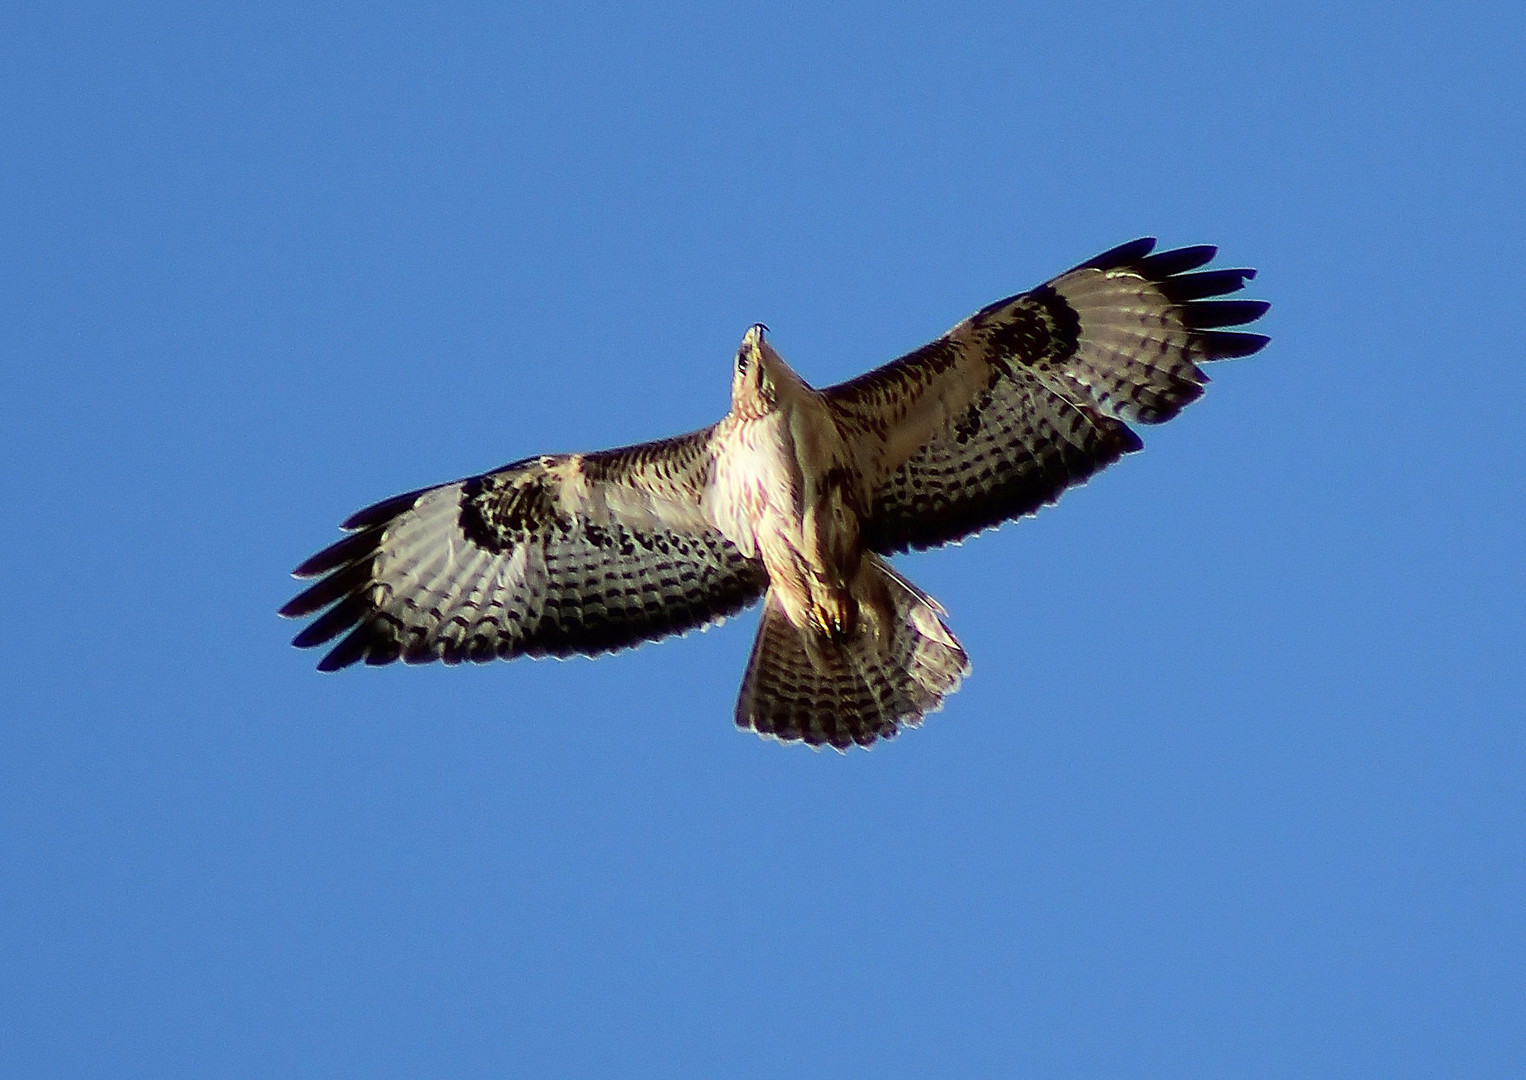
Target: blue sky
x,y
1236,786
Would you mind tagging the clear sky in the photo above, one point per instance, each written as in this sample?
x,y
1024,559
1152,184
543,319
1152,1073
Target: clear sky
x,y
1236,787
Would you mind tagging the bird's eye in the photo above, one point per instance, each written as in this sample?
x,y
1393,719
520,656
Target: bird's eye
x,y
742,362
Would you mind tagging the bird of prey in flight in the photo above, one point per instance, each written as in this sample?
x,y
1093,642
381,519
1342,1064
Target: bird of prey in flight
x,y
797,496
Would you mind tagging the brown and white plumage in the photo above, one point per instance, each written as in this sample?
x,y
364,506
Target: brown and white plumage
x,y
553,555
796,495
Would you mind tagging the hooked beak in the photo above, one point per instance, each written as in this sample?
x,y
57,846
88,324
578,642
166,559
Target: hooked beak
x,y
750,352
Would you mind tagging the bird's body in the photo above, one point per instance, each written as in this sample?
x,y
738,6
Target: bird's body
x,y
796,495
787,491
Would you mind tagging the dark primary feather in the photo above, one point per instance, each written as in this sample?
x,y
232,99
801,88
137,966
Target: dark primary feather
x,y
1135,250
1049,378
1162,264
492,567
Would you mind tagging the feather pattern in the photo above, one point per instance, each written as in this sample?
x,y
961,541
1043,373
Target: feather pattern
x,y
887,675
797,494
1029,396
549,556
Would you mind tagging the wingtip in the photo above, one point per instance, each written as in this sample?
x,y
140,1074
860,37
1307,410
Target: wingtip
x,y
1167,264
1230,344
382,512
307,639
352,648
352,548
1122,255
1260,341
1211,314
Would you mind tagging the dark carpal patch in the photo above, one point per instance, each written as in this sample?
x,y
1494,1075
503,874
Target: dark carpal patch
x,y
499,508
1039,329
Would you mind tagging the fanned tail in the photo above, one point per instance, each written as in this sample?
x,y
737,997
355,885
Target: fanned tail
x,y
804,686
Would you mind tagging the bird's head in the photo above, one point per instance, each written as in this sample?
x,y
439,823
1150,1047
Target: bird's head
x,y
757,375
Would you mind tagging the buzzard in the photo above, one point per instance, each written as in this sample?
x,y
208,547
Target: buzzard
x,y
797,496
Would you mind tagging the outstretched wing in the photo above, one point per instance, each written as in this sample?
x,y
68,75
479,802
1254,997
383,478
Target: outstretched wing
x,y
552,555
1029,395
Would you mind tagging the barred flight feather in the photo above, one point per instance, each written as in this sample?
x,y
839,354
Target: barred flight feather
x,y
1032,393
489,568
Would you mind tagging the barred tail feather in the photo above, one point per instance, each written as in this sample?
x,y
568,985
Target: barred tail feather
x,y
802,686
